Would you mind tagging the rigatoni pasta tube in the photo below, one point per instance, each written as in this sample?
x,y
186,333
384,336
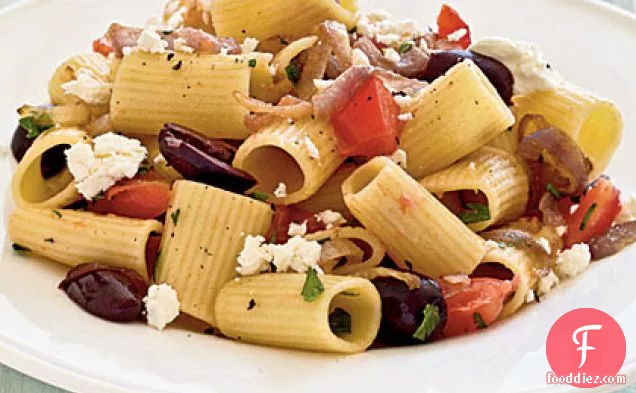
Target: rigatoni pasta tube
x,y
495,173
594,123
263,19
269,309
301,155
75,237
459,112
30,188
418,231
192,90
204,233
329,196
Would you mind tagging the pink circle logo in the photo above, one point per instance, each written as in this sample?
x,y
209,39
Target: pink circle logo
x,y
585,346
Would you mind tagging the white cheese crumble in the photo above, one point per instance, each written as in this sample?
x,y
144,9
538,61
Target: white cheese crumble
x,y
404,101
547,284
297,229
281,190
181,45
405,116
391,55
322,85
531,297
628,211
472,166
330,218
400,158
88,88
112,158
387,30
255,256
572,262
457,279
297,255
224,51
524,59
561,230
127,50
311,147
249,45
545,244
150,41
359,58
162,305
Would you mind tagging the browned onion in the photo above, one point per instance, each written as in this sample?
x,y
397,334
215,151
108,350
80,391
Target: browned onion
x,y
264,114
566,167
314,68
335,35
550,211
412,63
615,240
525,241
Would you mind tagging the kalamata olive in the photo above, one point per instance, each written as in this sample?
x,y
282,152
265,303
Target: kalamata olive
x,y
201,159
53,161
403,310
20,143
111,293
498,74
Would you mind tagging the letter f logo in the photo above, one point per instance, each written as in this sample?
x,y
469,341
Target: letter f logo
x,y
583,344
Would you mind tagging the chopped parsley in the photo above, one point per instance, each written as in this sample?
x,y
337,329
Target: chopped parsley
x,y
405,47
479,321
588,215
552,190
36,122
19,249
429,323
313,286
157,260
175,216
252,63
293,72
340,321
57,213
259,196
477,213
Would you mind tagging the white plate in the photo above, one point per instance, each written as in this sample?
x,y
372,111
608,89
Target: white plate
x,y
43,334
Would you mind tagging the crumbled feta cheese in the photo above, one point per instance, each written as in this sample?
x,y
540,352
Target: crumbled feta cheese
x,y
225,51
391,55
457,279
322,84
573,208
88,88
400,158
359,58
561,230
545,244
472,166
387,30
150,41
273,69
255,256
491,245
249,45
405,116
311,147
628,212
547,284
404,101
112,158
181,45
531,297
572,262
298,254
127,50
297,229
331,218
281,190
162,305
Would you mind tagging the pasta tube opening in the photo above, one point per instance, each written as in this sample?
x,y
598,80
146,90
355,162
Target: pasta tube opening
x,y
271,165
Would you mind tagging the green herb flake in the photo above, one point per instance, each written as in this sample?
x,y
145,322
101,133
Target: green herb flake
x,y
429,323
18,249
252,63
175,216
57,213
552,190
340,321
405,47
259,196
293,72
313,286
479,321
272,240
156,267
477,213
588,215
36,122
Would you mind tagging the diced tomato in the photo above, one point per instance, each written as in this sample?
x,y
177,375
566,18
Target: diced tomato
x,y
134,198
152,249
368,125
467,304
103,46
285,215
597,211
449,22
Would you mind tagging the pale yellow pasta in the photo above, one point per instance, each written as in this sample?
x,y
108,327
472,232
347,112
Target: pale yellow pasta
x,y
191,90
30,188
329,196
594,123
458,113
412,281
374,249
75,237
161,165
301,155
72,115
204,233
419,232
506,141
495,173
263,19
269,309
